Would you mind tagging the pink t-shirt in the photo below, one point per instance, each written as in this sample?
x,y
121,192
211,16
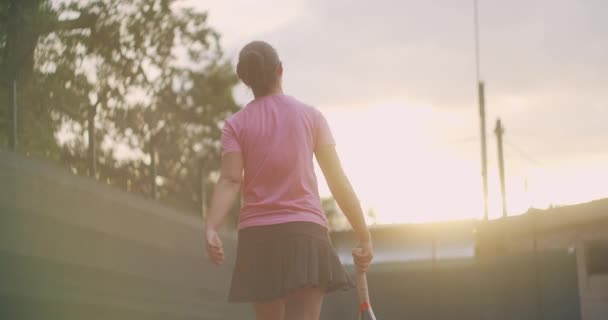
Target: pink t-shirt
x,y
277,136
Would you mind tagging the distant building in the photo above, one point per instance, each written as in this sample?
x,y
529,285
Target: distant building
x,y
580,230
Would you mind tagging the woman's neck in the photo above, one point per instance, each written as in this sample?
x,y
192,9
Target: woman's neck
x,y
275,90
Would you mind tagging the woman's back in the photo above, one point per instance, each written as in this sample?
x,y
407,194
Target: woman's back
x,y
277,136
285,262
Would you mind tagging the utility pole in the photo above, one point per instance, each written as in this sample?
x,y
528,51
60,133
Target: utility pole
x,y
482,116
92,147
500,130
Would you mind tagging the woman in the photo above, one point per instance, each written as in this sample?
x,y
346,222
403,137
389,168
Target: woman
x,y
285,262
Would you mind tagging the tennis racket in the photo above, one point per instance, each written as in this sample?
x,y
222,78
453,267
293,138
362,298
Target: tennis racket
x,y
365,307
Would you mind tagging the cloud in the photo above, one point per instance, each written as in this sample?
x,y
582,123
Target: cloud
x,y
239,21
354,53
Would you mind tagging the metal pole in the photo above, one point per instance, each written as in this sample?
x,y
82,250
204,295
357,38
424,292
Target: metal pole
x,y
482,117
482,113
92,147
484,152
476,26
503,242
500,130
12,127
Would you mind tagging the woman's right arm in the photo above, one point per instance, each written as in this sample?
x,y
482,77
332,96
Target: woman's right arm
x,y
347,200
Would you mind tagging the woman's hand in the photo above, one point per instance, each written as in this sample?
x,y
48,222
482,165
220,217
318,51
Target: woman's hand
x,y
363,254
215,248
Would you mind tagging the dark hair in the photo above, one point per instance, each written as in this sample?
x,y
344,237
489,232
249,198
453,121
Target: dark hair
x,y
258,62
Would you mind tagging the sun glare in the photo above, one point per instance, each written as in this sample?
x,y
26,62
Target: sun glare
x,y
403,167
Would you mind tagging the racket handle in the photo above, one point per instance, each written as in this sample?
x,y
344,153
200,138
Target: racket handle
x,y
365,309
362,290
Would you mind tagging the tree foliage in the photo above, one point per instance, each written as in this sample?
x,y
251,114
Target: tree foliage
x,y
337,220
151,72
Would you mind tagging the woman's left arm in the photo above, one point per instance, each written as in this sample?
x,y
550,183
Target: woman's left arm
x,y
224,195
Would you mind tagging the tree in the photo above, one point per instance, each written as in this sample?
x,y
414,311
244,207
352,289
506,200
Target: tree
x,y
371,217
152,74
335,217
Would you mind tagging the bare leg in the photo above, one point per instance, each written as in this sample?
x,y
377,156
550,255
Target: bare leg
x,y
272,310
304,304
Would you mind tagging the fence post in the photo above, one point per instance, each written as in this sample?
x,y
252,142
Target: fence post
x,y
153,190
92,148
12,116
203,177
540,314
434,282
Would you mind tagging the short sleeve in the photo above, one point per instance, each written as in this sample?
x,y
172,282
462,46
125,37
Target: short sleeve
x,y
230,142
323,135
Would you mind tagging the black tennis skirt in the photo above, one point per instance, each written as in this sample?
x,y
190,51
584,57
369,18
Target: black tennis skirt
x,y
275,259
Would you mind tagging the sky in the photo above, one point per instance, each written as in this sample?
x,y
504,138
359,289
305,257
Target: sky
x,y
397,82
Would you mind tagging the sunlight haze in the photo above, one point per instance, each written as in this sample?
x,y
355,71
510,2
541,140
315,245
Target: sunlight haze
x,y
396,81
